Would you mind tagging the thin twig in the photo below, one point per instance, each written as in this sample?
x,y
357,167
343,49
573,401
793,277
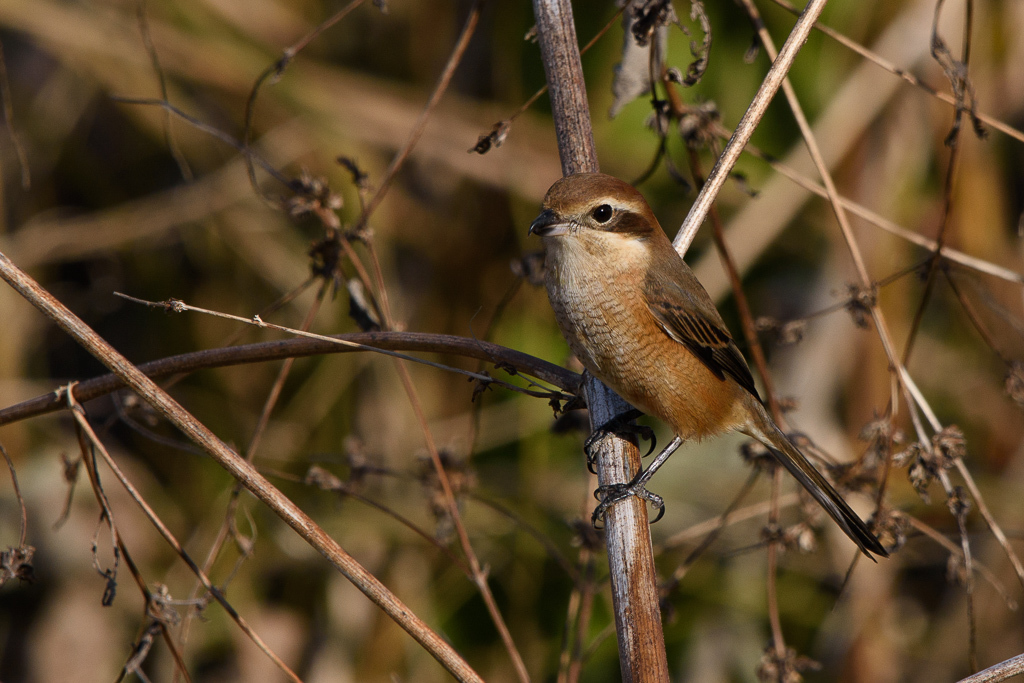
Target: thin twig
x,y
12,131
250,155
275,389
973,316
993,525
479,575
586,589
275,70
486,142
710,525
745,129
17,494
79,414
907,76
238,468
179,306
398,161
889,226
956,549
186,363
417,130
154,58
552,550
721,522
865,280
774,619
742,305
227,526
120,550
952,164
344,490
917,398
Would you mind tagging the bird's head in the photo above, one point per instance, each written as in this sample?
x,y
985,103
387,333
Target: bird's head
x,y
586,204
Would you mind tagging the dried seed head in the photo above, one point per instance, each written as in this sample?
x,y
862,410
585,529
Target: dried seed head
x,y
1015,382
890,526
785,669
950,446
861,301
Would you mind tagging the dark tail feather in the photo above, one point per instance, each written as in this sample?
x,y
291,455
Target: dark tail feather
x,y
794,461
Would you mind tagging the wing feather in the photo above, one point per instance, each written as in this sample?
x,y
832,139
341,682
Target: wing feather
x,y
702,334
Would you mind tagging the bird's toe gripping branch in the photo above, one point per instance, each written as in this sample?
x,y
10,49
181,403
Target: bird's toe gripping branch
x,y
613,493
621,425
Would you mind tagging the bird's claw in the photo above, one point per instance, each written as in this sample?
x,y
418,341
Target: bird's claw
x,y
592,445
647,434
613,493
618,425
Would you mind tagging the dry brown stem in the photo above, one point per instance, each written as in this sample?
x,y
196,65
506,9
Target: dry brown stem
x,y
635,596
86,390
239,468
83,423
769,86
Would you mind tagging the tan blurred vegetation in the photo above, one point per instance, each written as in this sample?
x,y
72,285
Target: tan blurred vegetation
x,y
110,209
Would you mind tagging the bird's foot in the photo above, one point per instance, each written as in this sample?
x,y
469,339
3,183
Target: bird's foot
x,y
613,493
620,425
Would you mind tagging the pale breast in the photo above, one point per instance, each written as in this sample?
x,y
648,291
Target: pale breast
x,y
605,319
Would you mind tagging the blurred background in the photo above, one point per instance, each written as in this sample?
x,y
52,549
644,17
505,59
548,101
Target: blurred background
x,y
100,195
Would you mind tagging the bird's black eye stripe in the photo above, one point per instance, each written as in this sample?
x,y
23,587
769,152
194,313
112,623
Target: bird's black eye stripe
x,y
602,214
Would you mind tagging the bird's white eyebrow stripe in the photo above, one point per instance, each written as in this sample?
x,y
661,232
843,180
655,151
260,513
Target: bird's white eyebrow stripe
x,y
619,206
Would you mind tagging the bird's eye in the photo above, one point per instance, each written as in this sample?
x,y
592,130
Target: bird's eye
x,y
602,214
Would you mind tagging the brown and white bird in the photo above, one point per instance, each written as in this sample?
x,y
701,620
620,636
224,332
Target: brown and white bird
x,y
639,320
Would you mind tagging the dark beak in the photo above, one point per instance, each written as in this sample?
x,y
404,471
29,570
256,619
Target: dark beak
x,y
548,224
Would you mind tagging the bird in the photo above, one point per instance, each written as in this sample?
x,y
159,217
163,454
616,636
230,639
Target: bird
x,y
639,320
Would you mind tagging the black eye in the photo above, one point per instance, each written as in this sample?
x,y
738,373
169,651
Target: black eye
x,y
602,214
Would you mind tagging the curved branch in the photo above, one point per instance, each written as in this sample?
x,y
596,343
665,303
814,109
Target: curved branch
x,y
297,348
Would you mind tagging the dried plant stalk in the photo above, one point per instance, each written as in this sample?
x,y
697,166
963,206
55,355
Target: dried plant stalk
x,y
238,468
630,554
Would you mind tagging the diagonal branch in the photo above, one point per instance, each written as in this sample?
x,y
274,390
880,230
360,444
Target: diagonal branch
x,y
97,445
239,469
745,129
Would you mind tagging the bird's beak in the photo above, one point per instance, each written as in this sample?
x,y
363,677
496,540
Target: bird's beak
x,y
548,224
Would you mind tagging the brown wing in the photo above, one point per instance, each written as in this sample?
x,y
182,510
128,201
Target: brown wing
x,y
679,315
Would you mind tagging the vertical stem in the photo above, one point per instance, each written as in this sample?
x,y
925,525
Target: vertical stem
x,y
630,554
560,53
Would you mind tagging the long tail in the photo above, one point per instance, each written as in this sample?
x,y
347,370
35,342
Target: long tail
x,y
764,429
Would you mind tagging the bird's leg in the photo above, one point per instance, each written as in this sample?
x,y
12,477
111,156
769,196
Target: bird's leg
x,y
613,493
619,425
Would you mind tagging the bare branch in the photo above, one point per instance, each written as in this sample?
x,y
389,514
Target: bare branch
x,y
8,109
1000,672
630,555
97,445
745,128
186,363
238,468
